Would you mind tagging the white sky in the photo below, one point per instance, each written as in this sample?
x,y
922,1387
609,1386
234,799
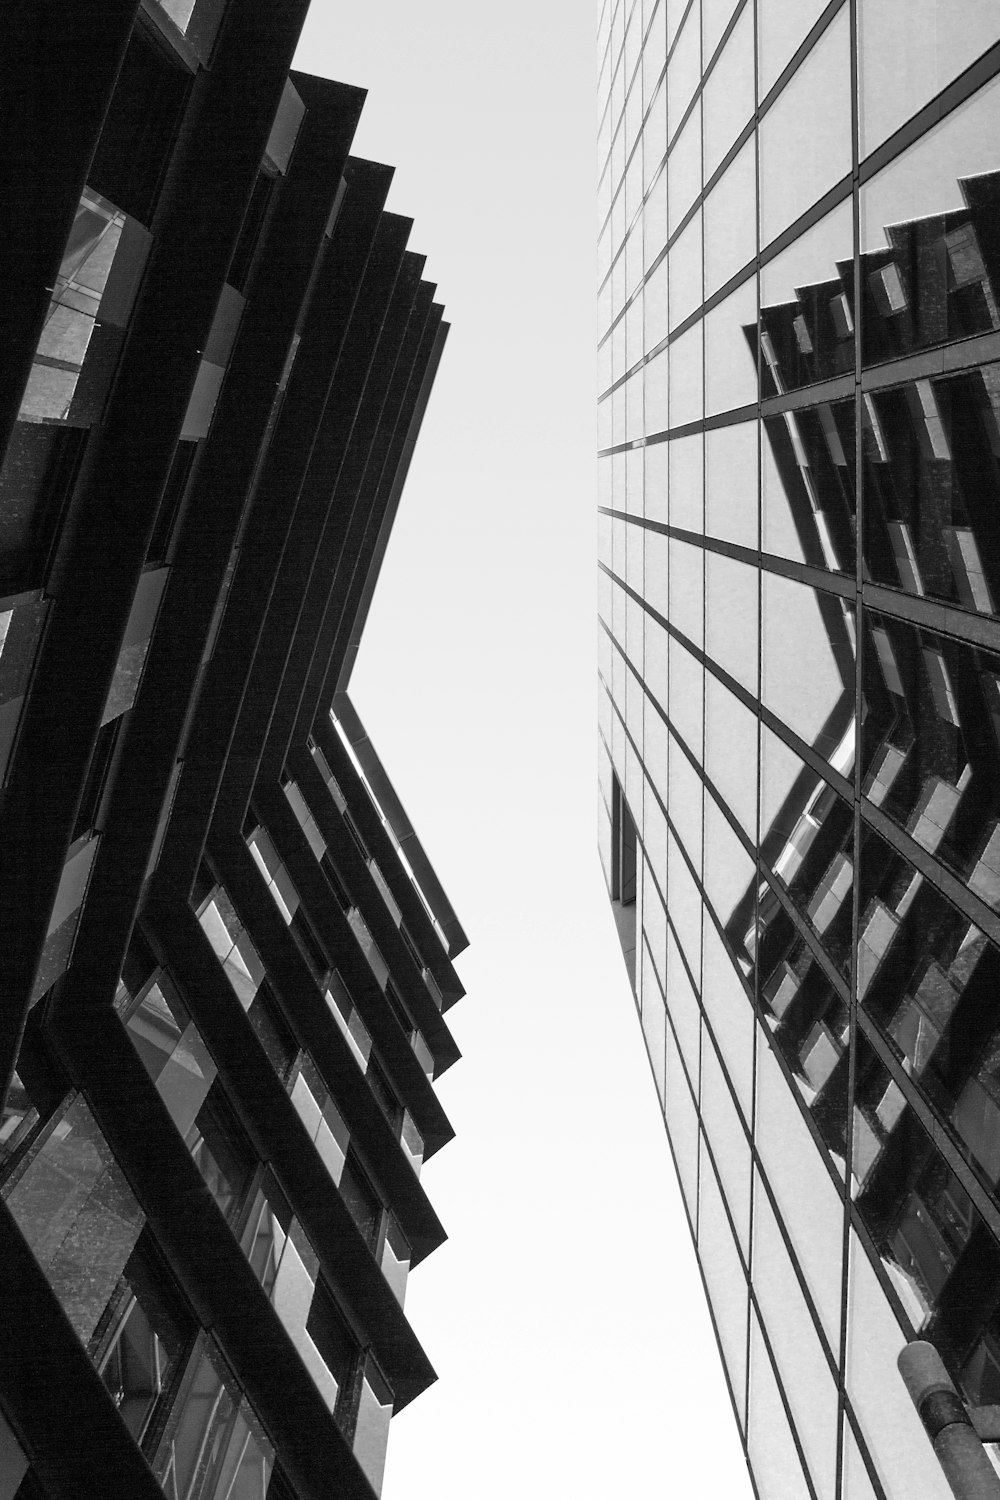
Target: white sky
x,y
564,1316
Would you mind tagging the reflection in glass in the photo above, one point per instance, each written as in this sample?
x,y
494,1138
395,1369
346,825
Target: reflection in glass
x,y
896,1438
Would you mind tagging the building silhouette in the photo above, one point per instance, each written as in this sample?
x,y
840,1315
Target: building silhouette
x,y
800,666
226,957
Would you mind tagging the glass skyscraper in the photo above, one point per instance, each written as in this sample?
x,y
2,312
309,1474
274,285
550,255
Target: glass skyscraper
x,y
799,434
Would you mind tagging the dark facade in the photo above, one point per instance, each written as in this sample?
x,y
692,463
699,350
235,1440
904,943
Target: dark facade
x,y
800,566
226,958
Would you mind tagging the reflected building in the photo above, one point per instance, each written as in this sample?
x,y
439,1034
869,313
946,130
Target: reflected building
x,y
227,960
800,688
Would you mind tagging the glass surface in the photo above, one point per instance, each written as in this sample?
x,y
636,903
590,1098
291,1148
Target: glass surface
x,y
222,1154
729,870
683,71
731,620
172,1051
682,1126
684,803
930,279
654,132
930,746
684,900
655,328
214,1447
904,1459
932,486
730,1013
773,1456
727,100
727,1137
77,1214
909,51
731,485
927,976
654,1022
685,261
684,171
687,473
72,314
934,1246
687,377
685,704
807,479
805,137
687,589
731,220
809,1381
138,1345
730,359
809,1203
857,1482
725,1278
782,25
654,221
931,177
682,1006
807,661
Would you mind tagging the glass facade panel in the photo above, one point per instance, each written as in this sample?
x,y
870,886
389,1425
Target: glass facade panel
x,y
899,1446
805,137
731,485
807,661
807,1374
909,52
809,1202
828,849
773,1454
726,1278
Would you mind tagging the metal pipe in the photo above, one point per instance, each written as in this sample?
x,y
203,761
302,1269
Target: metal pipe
x,y
947,1423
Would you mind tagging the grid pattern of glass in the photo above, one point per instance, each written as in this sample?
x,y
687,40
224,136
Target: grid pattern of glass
x,y
799,660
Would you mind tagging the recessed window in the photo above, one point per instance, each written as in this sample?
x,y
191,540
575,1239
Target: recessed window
x,y
140,1341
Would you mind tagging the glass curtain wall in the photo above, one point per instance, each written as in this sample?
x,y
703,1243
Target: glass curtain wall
x,y
799,460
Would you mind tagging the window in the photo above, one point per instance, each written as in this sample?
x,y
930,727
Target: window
x,y
362,1200
623,844
140,1340
222,1153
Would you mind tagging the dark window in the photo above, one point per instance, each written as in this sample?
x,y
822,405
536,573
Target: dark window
x,y
98,776
36,482
384,1092
204,885
273,1032
361,1198
623,847
222,1153
140,127
411,947
250,232
172,500
339,888
355,835
309,945
399,1011
139,1343
332,1337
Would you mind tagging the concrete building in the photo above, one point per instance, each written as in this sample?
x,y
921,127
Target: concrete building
x,y
226,958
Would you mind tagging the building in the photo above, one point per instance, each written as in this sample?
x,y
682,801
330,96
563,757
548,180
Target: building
x,y
226,957
799,273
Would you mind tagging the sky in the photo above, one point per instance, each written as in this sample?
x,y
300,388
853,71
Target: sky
x,y
564,1315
